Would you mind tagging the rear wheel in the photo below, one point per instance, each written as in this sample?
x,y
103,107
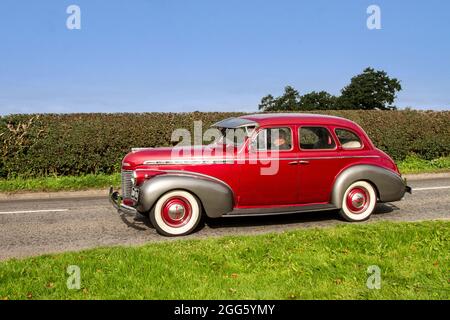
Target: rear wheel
x,y
358,202
176,213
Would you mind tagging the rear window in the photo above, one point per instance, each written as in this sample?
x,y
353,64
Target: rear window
x,y
348,139
316,138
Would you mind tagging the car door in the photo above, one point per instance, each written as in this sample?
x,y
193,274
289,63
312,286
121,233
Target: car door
x,y
269,176
319,163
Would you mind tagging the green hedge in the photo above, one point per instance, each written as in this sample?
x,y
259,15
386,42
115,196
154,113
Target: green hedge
x,y
50,144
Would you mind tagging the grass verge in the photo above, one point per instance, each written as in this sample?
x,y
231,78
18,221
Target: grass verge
x,y
326,263
411,164
414,164
63,183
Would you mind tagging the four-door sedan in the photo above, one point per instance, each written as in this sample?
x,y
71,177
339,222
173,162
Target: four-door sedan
x,y
257,165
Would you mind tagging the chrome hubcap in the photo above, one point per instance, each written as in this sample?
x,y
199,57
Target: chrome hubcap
x,y
358,200
176,212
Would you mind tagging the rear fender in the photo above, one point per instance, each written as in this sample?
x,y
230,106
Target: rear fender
x,y
390,186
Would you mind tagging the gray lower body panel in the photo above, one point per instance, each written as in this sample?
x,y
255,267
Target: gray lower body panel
x,y
279,210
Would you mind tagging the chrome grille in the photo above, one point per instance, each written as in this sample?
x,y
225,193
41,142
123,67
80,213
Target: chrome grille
x,y
126,183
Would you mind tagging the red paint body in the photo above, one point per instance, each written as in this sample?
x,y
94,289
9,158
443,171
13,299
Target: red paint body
x,y
308,182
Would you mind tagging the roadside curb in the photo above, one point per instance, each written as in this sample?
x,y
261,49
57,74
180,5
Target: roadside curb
x,y
97,193
93,193
425,176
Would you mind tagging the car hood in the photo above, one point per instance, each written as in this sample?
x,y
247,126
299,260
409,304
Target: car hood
x,y
144,156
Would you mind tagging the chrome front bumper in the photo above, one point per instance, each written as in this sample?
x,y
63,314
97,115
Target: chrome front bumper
x,y
116,200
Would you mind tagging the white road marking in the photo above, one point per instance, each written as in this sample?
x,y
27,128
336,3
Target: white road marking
x,y
431,188
64,210
34,211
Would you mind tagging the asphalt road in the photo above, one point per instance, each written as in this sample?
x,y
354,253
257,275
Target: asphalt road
x,y
34,227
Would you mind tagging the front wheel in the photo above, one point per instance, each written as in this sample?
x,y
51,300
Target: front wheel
x,y
358,202
176,213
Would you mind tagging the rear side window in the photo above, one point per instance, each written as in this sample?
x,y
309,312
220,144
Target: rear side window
x,y
348,139
316,138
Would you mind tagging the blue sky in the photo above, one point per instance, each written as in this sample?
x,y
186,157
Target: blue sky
x,y
155,55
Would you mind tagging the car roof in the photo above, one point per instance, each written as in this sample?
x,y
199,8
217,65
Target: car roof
x,y
263,119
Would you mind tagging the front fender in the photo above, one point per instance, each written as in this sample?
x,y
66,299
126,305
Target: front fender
x,y
390,186
215,196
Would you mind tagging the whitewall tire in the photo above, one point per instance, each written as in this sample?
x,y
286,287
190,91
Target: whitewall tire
x,y
176,213
358,202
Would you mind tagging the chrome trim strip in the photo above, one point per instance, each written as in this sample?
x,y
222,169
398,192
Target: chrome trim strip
x,y
231,161
338,157
190,161
139,149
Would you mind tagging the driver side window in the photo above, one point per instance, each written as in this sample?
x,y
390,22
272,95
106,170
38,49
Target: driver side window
x,y
274,139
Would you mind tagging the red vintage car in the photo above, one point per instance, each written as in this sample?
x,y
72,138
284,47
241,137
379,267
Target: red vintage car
x,y
257,165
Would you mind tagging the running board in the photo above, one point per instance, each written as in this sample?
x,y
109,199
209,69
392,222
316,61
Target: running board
x,y
279,210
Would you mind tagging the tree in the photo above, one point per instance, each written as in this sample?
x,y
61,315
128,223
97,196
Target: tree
x,y
369,90
287,102
267,103
317,101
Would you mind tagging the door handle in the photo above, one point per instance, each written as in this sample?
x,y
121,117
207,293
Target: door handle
x,y
303,162
293,162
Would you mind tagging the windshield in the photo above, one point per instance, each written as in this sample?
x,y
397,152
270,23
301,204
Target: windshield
x,y
235,137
